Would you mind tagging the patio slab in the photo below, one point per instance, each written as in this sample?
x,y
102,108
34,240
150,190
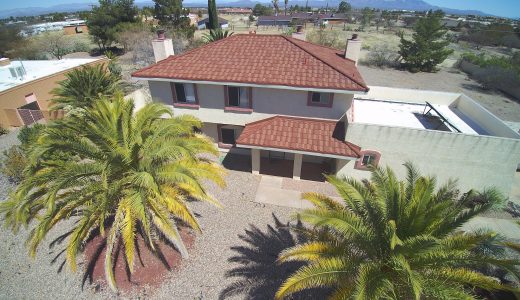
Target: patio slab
x,y
270,191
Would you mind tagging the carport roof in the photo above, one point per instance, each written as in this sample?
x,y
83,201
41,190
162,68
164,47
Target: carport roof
x,y
299,135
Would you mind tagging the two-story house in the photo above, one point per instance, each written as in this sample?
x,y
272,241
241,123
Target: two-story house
x,y
279,96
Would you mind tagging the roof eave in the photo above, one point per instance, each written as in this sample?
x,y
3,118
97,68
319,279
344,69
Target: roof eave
x,y
250,84
337,156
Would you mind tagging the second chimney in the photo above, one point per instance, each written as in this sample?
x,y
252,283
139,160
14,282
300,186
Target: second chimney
x,y
353,48
162,47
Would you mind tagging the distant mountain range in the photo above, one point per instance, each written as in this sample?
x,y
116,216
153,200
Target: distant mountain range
x,y
418,5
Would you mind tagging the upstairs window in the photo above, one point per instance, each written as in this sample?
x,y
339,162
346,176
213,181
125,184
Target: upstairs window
x,y
367,158
238,97
184,92
320,99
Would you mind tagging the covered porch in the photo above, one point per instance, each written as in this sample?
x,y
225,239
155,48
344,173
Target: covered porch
x,y
298,148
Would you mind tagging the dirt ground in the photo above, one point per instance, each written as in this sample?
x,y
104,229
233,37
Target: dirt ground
x,y
446,80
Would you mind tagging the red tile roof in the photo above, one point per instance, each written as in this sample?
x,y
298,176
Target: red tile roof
x,y
300,134
262,59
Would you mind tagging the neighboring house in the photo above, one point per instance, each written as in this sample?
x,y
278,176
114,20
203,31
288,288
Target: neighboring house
x,y
302,18
273,20
335,18
272,96
452,23
25,87
204,23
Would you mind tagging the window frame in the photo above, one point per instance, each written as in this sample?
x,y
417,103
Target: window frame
x,y
360,165
221,143
310,101
246,108
186,103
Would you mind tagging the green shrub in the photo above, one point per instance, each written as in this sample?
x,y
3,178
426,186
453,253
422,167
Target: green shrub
x,y
328,38
511,64
381,56
14,163
81,46
3,130
29,134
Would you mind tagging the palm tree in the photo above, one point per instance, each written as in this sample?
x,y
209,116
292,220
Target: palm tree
x,y
132,174
83,86
392,239
215,35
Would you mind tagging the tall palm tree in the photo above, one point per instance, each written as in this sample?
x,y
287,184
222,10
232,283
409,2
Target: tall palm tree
x,y
83,86
391,239
132,174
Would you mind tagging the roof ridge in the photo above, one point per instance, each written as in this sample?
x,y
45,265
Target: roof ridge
x,y
327,47
325,62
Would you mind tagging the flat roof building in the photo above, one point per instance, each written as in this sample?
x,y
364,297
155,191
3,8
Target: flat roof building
x,y
26,85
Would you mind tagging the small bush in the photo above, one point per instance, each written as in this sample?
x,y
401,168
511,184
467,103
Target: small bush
x,y
3,130
14,163
81,46
329,38
381,56
29,134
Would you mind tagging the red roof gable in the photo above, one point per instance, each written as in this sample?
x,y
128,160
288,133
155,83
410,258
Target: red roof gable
x,y
262,59
299,134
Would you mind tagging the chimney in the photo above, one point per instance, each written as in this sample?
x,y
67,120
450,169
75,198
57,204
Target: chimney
x,y
353,48
299,34
162,47
4,61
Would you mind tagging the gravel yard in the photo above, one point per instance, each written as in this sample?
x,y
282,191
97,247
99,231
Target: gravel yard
x,y
446,80
202,276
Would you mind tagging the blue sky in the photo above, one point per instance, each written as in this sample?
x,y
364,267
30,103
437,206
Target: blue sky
x,y
507,8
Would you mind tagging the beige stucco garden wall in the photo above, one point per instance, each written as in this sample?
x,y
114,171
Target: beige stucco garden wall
x,y
486,120
266,103
477,161
409,95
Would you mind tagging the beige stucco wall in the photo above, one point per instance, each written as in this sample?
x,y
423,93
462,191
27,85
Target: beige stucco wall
x,y
409,95
477,161
14,97
266,102
486,120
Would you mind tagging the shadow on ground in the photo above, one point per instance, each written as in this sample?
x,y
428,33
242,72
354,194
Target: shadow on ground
x,y
257,274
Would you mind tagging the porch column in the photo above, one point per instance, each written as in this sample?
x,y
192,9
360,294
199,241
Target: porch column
x,y
297,166
255,161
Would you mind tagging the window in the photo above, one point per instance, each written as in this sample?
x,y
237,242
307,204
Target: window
x,y
368,158
320,99
184,92
227,136
238,97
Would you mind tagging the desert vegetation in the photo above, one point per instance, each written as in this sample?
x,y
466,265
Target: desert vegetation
x,y
389,238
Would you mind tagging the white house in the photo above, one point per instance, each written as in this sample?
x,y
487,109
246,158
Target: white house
x,y
272,96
